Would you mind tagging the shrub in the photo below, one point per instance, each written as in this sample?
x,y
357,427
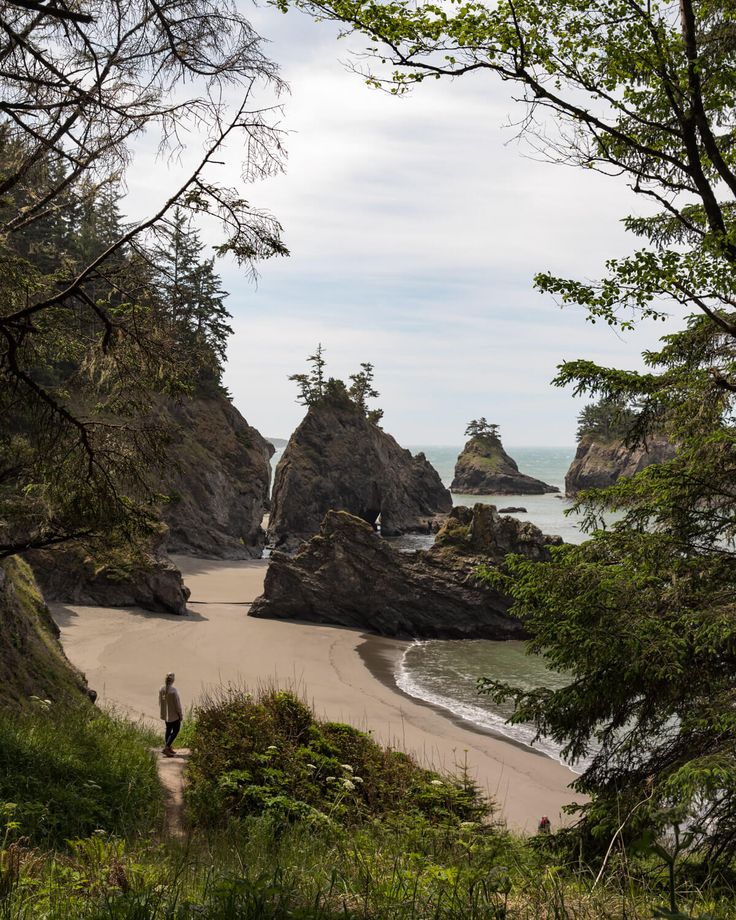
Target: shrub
x,y
268,753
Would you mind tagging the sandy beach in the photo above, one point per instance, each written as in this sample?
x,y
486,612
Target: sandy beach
x,y
345,674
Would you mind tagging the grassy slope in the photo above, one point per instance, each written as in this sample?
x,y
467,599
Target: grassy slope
x,y
70,771
401,849
31,659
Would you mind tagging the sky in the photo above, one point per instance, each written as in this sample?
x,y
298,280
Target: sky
x,y
415,227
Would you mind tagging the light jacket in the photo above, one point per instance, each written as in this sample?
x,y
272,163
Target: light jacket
x,y
170,703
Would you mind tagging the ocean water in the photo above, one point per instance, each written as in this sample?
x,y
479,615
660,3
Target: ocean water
x,y
445,673
546,463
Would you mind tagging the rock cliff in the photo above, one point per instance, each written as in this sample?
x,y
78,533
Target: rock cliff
x,y
69,576
217,477
484,468
348,575
601,462
338,460
32,662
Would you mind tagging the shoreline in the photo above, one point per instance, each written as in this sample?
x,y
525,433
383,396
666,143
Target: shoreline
x,y
381,654
346,675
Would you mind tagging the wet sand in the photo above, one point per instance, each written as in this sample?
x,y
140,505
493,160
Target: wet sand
x,y
345,674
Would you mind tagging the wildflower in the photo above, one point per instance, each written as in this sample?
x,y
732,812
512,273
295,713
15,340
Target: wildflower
x,y
348,784
436,782
346,766
357,779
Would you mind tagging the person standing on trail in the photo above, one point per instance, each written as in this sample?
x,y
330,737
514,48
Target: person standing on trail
x,y
171,712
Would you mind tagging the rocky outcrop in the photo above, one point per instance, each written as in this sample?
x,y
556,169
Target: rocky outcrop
x,y
599,463
217,479
338,460
481,534
216,476
484,468
32,662
348,575
69,576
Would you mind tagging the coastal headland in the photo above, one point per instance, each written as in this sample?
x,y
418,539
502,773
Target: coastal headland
x,y
343,673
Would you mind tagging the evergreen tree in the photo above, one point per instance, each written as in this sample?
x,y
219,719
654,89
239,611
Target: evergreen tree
x,y
314,388
190,294
361,388
608,418
312,385
481,428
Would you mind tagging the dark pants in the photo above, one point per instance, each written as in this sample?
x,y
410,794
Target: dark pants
x,y
172,730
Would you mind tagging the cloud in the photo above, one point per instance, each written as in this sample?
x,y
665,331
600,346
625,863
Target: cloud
x,y
416,226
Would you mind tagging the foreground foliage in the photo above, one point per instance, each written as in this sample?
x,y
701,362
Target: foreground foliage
x,y
262,869
407,862
269,754
100,320
69,771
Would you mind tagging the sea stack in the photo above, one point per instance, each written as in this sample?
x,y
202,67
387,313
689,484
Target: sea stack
x,y
484,467
600,462
339,459
348,575
605,452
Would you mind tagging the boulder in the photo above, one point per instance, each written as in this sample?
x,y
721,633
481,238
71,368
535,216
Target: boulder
x,y
484,468
32,662
348,575
512,510
69,576
217,479
601,462
339,460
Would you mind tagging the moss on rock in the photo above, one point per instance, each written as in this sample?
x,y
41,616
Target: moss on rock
x,y
32,662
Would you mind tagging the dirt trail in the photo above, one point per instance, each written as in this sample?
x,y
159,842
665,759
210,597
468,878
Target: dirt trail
x,y
171,774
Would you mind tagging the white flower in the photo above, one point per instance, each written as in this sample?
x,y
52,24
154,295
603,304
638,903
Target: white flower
x,y
357,779
346,766
348,784
436,782
311,766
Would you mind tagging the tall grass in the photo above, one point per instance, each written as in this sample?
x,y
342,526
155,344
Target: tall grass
x,y
79,831
67,771
261,869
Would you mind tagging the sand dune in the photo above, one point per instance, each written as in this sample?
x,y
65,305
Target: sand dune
x,y
125,654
